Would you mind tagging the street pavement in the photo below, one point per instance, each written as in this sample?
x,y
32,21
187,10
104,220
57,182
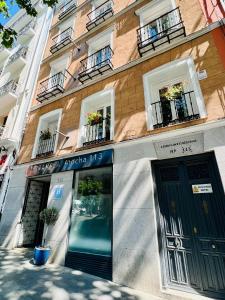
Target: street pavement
x,y
21,280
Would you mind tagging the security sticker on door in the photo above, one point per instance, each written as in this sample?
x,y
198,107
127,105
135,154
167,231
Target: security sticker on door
x,y
202,188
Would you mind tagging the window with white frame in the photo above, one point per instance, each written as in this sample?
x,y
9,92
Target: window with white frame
x,y
47,134
100,7
100,49
57,73
160,22
173,94
65,29
97,118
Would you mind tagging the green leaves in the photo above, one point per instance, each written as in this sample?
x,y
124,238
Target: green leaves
x,y
49,215
8,35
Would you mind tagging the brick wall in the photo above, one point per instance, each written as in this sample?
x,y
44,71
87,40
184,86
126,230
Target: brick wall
x,y
130,116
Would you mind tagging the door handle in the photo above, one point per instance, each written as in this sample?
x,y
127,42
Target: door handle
x,y
195,230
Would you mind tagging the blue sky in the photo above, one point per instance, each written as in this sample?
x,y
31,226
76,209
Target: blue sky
x,y
12,9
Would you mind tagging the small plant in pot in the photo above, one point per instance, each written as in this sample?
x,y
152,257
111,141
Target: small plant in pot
x,y
45,134
48,216
94,118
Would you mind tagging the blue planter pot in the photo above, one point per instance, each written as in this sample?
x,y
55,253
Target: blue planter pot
x,y
41,255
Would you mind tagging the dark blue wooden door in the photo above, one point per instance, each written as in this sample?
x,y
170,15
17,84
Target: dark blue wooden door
x,y
193,225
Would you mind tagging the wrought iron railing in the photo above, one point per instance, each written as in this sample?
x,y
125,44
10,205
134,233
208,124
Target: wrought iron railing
x,y
62,36
22,52
97,133
46,147
31,24
97,60
101,11
53,82
9,87
164,26
67,8
177,110
1,130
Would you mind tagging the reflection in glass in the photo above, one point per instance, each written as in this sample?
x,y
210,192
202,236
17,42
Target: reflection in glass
x,y
92,212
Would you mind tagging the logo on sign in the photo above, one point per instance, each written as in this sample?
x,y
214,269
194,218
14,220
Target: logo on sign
x,y
58,192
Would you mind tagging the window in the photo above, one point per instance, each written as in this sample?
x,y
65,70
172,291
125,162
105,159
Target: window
x,y
91,220
101,10
160,23
173,94
47,134
97,118
99,56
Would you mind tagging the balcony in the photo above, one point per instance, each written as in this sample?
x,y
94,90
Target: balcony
x,y
96,64
8,97
161,31
51,87
178,110
27,32
46,146
61,40
97,133
67,9
100,14
17,60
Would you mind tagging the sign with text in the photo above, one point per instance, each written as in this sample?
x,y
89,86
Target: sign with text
x,y
185,145
96,159
202,188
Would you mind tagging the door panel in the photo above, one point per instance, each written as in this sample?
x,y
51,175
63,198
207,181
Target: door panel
x,y
193,224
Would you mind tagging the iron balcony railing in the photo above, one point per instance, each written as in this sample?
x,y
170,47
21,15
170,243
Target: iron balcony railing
x,y
180,109
1,130
100,14
95,64
97,133
51,86
46,147
61,40
67,9
9,87
22,52
160,31
31,24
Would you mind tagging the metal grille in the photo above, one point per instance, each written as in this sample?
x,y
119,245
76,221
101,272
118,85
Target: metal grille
x,y
93,264
97,133
67,8
46,147
96,64
160,31
180,109
100,14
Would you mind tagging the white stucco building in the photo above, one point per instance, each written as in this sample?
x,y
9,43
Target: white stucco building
x,y
19,67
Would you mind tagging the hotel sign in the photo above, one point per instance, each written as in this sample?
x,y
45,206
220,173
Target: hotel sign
x,y
91,160
185,145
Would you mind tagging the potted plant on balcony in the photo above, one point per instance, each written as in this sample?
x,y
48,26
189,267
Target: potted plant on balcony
x,y
45,134
48,216
94,118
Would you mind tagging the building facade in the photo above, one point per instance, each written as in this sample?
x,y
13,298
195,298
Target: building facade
x,y
126,138
19,67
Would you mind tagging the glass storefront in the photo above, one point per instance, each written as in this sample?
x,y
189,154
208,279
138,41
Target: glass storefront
x,y
91,220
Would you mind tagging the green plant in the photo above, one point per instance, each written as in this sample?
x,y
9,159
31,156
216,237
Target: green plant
x,y
94,118
173,92
48,216
8,35
90,186
45,134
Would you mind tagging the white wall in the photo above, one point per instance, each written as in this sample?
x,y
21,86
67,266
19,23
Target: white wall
x,y
57,236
